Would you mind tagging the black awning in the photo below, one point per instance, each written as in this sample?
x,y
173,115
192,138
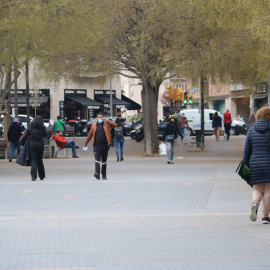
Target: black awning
x,y
116,101
40,101
133,105
86,102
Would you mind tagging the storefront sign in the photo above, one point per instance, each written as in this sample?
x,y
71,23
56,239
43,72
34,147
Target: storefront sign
x,y
74,92
104,92
61,109
93,107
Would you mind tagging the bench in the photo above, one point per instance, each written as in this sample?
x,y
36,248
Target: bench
x,y
69,131
3,146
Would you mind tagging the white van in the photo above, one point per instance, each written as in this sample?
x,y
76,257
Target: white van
x,y
194,120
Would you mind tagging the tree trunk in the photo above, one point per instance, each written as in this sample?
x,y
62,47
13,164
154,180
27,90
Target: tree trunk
x,y
150,123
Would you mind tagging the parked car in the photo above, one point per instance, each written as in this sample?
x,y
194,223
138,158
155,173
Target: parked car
x,y
238,126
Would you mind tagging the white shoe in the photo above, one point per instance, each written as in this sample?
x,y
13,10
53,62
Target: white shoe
x,y
253,212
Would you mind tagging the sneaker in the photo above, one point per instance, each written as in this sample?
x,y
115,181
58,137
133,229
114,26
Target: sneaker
x,y
97,175
168,162
10,160
104,177
265,220
75,156
253,212
77,147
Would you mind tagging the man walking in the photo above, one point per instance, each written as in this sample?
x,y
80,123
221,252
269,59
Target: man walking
x,y
101,134
183,125
227,121
14,134
63,143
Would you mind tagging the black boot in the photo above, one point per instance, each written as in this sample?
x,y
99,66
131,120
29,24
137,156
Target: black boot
x,y
117,158
121,159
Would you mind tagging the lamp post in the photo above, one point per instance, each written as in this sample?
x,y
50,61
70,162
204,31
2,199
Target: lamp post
x,y
111,102
15,88
27,92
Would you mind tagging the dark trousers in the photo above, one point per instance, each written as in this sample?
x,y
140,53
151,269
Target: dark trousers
x,y
101,155
36,152
227,128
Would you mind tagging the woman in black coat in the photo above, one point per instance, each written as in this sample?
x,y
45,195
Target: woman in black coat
x,y
172,131
36,133
257,156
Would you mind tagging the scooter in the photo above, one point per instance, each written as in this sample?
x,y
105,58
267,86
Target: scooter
x,y
82,129
139,134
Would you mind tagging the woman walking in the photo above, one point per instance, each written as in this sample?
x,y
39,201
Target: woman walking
x,y
256,155
35,133
119,138
170,136
217,125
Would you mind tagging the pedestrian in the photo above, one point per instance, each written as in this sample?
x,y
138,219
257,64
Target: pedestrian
x,y
217,125
35,133
101,134
170,137
112,134
183,125
59,124
256,155
14,134
227,121
63,143
251,120
119,139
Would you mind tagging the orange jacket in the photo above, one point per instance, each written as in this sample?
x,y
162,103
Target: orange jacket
x,y
60,139
107,128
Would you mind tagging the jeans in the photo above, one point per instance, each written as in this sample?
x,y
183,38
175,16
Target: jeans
x,y
71,144
227,128
101,153
36,152
13,147
262,192
119,141
170,149
184,133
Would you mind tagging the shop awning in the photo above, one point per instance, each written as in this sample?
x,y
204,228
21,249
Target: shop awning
x,y
116,101
86,102
41,101
133,105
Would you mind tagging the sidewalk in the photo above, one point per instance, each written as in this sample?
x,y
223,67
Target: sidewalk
x,y
147,215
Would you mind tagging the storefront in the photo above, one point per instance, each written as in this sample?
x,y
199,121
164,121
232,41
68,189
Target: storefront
x,y
103,96
39,102
78,106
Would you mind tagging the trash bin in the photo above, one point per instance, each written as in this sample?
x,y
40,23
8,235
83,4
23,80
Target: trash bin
x,y
198,136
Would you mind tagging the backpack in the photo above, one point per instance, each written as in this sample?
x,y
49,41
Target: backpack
x,y
118,132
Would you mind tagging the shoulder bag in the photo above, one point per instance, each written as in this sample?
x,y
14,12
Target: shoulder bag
x,y
243,171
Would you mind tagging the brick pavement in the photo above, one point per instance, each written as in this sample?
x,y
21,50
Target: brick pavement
x,y
147,215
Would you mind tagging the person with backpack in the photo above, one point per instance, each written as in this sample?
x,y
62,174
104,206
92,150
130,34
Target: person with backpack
x,y
59,124
119,138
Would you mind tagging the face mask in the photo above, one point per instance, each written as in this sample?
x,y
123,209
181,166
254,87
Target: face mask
x,y
100,121
172,122
61,133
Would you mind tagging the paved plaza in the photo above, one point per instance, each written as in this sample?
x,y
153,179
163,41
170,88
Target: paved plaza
x,y
147,215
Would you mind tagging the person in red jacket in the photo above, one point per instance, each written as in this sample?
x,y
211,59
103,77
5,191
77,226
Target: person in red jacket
x,y
63,143
227,121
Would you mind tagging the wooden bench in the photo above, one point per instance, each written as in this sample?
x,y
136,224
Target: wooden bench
x,y
3,146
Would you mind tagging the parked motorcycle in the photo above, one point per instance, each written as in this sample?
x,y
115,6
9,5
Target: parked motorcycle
x,y
82,129
133,128
139,134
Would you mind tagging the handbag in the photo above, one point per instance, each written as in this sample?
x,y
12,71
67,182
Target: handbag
x,y
169,138
243,171
24,157
162,149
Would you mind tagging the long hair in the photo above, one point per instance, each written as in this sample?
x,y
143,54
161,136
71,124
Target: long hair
x,y
118,122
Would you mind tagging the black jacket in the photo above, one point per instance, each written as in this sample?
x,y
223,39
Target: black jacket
x,y
36,131
14,132
217,122
172,130
257,152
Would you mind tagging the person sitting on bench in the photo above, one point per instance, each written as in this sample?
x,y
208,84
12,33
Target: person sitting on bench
x,y
63,143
